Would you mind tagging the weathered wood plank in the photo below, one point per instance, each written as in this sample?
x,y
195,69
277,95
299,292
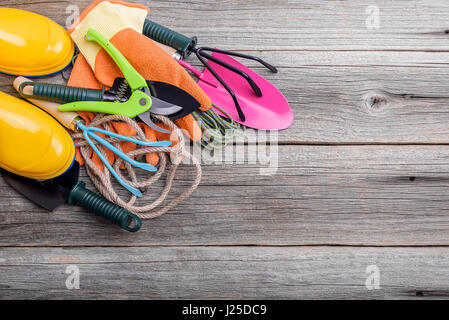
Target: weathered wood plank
x,y
337,96
359,104
347,84
291,25
340,195
233,272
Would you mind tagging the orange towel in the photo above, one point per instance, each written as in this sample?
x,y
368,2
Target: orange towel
x,y
152,62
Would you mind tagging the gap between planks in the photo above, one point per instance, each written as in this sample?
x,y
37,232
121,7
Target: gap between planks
x,y
235,246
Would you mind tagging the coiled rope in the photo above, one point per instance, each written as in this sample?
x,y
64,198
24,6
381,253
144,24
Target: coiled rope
x,y
102,178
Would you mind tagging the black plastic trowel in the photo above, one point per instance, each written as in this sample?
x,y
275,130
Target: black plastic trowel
x,y
50,194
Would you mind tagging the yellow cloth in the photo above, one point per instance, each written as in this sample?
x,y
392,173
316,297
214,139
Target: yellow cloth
x,y
108,18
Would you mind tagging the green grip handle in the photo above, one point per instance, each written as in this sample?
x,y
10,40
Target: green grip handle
x,y
169,37
60,93
138,103
135,80
98,204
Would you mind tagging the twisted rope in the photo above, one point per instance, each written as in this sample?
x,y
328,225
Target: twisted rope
x,y
102,178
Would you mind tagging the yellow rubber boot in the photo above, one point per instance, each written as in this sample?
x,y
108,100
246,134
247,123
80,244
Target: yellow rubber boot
x,y
32,143
32,45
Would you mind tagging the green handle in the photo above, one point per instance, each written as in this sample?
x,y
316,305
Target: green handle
x,y
135,80
138,103
95,203
169,37
60,93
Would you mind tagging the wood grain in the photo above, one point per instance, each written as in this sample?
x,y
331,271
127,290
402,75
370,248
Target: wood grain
x,y
339,195
346,103
232,272
290,25
362,174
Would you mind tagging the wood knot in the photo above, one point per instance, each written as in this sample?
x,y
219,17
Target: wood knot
x,y
375,102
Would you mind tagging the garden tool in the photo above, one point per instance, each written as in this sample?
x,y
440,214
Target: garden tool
x,y
163,95
224,72
74,122
66,188
32,45
268,112
33,144
122,22
140,101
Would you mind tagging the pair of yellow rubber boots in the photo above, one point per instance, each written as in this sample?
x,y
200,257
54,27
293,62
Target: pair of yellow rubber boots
x,y
32,143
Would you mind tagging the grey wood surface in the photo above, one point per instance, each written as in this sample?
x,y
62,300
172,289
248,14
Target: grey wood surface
x,y
336,195
362,174
231,272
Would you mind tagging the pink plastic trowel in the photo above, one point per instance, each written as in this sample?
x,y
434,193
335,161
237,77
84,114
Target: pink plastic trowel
x,y
270,111
248,98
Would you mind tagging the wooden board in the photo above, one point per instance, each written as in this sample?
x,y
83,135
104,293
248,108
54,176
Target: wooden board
x,y
346,103
362,175
290,25
320,195
231,273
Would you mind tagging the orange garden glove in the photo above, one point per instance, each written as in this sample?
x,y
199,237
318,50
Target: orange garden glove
x,y
122,24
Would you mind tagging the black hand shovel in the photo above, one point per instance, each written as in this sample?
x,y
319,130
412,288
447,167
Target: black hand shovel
x,y
66,188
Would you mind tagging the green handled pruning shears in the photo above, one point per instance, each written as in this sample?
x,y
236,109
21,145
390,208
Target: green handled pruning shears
x,y
139,103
